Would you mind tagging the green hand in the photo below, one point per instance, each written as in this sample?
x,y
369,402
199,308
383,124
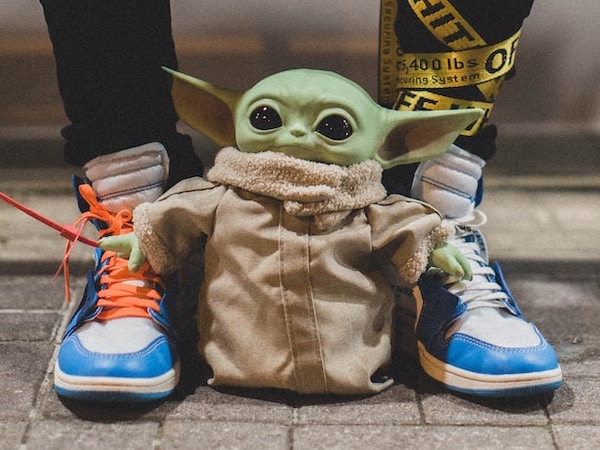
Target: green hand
x,y
126,246
451,260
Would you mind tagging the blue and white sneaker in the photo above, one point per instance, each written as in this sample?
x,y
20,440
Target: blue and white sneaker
x,y
473,338
471,335
119,345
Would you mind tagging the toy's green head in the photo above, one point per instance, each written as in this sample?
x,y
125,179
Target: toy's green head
x,y
318,116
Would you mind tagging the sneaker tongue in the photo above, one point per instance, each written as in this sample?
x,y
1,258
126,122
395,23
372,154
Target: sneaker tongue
x,y
127,178
474,219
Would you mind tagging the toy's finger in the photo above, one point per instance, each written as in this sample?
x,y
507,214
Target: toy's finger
x,y
136,258
453,267
467,271
119,244
456,264
452,261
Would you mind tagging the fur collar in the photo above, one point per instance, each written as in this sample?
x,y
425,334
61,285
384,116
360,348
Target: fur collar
x,y
306,188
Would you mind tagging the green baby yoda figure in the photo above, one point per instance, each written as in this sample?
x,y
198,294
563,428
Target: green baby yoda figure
x,y
298,227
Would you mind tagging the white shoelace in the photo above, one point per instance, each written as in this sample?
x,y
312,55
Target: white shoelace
x,y
480,291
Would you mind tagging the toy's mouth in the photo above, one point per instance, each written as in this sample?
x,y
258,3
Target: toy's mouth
x,y
298,151
317,154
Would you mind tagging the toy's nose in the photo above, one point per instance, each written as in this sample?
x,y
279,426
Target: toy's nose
x,y
298,130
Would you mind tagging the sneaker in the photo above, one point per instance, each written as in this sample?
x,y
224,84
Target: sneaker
x,y
472,336
119,345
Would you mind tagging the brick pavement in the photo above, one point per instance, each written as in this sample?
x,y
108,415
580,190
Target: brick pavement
x,y
564,299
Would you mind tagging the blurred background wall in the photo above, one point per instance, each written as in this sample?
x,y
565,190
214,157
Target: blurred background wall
x,y
235,43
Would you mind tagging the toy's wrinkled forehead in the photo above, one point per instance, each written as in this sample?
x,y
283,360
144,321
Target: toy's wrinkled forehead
x,y
309,85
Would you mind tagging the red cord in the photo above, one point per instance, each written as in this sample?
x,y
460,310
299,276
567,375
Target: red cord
x,y
67,231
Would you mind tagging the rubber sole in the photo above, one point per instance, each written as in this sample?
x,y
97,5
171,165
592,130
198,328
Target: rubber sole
x,y
111,389
472,383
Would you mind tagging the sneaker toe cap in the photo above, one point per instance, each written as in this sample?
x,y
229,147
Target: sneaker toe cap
x,y
156,359
477,356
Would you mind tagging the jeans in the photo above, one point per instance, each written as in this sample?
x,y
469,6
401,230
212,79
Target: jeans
x,y
109,56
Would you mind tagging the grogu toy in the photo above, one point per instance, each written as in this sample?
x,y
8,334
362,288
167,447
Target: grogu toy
x,y
298,227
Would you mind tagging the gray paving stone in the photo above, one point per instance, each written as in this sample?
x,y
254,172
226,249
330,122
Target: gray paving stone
x,y
32,292
11,433
205,404
447,409
548,299
23,366
577,437
576,402
28,326
397,405
224,435
54,408
420,437
542,225
237,405
540,288
75,435
586,365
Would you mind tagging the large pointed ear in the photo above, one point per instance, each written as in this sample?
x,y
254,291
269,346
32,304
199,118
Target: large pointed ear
x,y
204,107
414,136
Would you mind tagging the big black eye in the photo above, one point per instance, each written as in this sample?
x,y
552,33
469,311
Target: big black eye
x,y
265,118
335,127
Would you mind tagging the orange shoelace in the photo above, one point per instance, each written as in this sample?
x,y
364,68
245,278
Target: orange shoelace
x,y
122,293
